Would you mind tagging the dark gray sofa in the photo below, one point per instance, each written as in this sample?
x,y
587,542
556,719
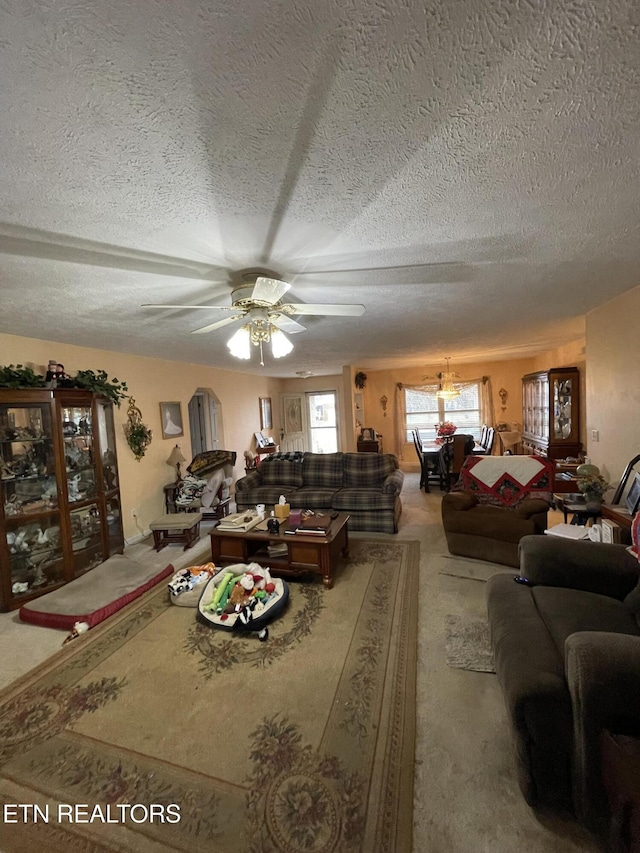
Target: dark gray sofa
x,y
567,656
366,485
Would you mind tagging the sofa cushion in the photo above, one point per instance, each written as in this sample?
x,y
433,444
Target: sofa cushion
x,y
489,522
264,495
322,470
312,498
355,500
565,611
281,471
632,600
366,470
634,548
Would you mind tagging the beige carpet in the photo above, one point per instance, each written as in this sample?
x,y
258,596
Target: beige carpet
x,y
304,742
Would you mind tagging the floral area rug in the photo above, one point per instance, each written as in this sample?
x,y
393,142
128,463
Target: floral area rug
x,y
154,732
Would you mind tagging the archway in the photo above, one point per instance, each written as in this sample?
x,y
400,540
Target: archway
x,y
205,421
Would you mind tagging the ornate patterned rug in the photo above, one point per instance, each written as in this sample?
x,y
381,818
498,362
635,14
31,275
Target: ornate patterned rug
x,y
154,732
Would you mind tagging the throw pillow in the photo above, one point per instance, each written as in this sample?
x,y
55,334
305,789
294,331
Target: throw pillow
x,y
281,472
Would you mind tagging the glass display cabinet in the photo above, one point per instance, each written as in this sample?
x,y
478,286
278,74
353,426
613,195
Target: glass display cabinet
x,y
60,509
551,413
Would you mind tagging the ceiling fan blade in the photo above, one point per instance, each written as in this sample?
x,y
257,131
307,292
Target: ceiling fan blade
x,y
269,290
286,324
208,307
220,323
332,310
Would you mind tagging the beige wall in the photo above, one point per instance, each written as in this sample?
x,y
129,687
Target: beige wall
x,y
503,374
613,383
151,381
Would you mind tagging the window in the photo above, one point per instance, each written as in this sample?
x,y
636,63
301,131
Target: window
x,y
424,410
322,422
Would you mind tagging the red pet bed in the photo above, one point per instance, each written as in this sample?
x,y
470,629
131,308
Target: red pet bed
x,y
94,596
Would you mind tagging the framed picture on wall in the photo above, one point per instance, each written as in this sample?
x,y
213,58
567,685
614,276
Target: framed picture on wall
x,y
633,496
266,420
171,419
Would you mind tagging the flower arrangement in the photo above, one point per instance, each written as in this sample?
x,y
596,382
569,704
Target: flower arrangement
x,y
446,428
592,485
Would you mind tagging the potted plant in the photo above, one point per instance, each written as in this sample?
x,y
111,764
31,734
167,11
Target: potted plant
x,y
18,376
99,383
593,486
360,379
138,435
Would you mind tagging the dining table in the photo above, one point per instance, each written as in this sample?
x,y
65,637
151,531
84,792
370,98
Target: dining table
x,y
433,470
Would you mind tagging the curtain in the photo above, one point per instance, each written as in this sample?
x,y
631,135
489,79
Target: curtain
x,y
399,437
486,402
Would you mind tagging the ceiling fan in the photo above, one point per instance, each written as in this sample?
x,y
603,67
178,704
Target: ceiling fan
x,y
258,301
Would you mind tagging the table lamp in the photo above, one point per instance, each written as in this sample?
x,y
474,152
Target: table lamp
x,y
176,458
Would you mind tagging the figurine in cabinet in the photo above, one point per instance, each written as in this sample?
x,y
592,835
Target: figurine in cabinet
x,y
74,488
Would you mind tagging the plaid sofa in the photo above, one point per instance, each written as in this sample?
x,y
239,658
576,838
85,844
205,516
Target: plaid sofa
x,y
366,485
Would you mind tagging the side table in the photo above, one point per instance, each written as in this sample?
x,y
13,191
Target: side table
x,y
581,514
170,494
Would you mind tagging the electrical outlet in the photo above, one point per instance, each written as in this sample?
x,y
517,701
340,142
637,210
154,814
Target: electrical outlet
x,y
595,435
134,513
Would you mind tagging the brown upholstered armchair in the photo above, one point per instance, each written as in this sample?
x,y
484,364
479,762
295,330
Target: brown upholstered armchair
x,y
498,500
489,532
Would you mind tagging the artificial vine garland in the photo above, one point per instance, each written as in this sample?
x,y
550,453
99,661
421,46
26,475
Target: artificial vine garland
x,y
138,435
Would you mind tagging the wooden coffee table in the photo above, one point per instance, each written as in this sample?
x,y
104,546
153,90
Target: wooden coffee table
x,y
306,553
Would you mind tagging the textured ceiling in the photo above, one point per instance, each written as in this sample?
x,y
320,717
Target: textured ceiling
x,y
468,171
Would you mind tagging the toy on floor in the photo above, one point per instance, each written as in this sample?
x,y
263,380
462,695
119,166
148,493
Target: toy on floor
x,y
243,597
78,628
190,577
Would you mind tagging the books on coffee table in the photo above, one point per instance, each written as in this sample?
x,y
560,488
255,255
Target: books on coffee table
x,y
240,521
311,525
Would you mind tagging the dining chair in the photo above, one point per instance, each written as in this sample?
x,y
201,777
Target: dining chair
x,y
452,458
487,439
417,443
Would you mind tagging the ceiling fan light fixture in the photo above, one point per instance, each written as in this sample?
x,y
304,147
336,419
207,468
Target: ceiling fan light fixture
x,y
239,344
280,343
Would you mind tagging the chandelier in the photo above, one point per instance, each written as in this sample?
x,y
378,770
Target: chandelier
x,y
446,389
258,331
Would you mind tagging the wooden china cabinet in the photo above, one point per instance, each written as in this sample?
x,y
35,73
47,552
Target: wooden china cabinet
x,y
551,413
60,513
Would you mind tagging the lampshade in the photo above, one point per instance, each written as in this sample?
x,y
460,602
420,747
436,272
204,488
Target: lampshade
x,y
258,332
240,343
280,343
175,457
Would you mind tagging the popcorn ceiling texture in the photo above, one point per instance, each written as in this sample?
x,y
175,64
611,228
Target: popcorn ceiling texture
x,y
480,158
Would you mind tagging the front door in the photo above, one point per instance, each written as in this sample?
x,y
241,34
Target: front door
x,y
294,423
